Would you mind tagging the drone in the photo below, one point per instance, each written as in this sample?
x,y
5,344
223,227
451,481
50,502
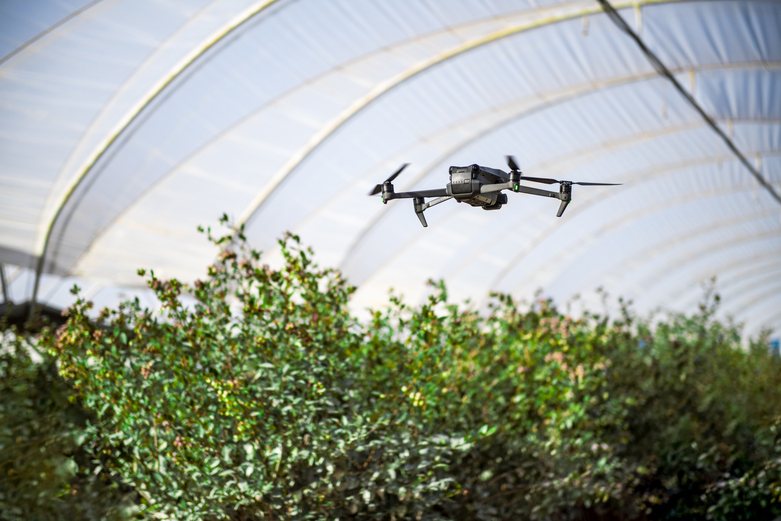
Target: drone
x,y
479,186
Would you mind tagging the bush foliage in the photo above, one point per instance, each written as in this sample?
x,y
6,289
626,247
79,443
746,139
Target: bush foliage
x,y
45,472
255,394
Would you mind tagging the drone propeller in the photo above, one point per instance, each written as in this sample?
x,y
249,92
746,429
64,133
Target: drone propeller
x,y
377,189
512,164
549,181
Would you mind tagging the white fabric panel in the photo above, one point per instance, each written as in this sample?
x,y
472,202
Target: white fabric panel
x,y
692,33
269,135
289,120
606,162
50,92
689,151
23,20
445,95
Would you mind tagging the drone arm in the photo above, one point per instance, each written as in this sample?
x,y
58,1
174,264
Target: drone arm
x,y
436,201
536,191
495,187
518,188
439,192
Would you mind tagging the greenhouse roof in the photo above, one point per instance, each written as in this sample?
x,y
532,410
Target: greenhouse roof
x,y
126,124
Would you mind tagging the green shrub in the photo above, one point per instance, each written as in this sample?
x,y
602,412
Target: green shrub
x,y
704,426
45,472
255,395
249,402
528,389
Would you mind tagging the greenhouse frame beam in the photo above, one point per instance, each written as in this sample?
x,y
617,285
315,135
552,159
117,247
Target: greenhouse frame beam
x,y
646,211
209,43
654,280
641,176
3,283
645,175
655,249
505,32
157,89
130,83
732,264
48,31
407,75
273,101
584,90
664,71
745,268
772,286
770,316
746,288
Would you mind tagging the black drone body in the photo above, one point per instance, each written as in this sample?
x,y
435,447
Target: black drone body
x,y
479,186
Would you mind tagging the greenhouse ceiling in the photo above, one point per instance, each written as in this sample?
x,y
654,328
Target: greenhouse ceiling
x,y
127,123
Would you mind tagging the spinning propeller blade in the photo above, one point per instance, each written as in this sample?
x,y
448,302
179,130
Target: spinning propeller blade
x,y
377,189
511,163
598,184
548,181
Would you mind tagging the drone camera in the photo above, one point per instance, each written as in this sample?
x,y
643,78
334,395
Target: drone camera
x,y
501,199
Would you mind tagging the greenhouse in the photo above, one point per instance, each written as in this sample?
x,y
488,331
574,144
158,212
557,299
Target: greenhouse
x,y
126,125
144,143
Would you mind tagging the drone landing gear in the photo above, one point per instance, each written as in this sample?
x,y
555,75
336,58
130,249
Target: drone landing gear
x,y
565,194
421,206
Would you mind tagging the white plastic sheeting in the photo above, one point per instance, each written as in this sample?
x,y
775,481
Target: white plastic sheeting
x,y
125,123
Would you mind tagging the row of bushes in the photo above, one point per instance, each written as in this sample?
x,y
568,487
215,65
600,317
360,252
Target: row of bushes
x,y
266,399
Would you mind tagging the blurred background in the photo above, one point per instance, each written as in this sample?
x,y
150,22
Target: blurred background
x,y
125,124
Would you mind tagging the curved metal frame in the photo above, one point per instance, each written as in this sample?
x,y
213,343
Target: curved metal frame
x,y
131,116
749,287
701,252
265,106
642,176
360,105
42,258
677,239
667,204
514,118
48,31
773,287
363,103
751,263
662,69
682,295
647,175
66,165
655,249
773,317
684,300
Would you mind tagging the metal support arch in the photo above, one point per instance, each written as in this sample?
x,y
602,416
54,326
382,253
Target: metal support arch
x,y
514,118
132,116
654,281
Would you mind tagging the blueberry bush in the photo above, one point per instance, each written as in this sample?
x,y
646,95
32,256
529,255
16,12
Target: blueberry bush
x,y
255,394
